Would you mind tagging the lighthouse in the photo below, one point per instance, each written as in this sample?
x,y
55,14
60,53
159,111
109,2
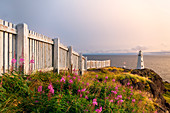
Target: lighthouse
x,y
140,64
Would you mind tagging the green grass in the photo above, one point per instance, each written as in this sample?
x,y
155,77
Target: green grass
x,y
19,93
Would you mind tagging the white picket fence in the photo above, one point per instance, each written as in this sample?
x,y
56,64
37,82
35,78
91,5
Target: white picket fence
x,y
17,41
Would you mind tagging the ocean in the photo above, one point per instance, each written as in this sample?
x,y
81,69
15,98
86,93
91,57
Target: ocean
x,y
159,63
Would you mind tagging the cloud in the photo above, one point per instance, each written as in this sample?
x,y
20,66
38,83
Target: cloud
x,y
137,48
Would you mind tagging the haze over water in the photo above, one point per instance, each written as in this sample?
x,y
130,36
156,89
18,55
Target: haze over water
x,y
159,63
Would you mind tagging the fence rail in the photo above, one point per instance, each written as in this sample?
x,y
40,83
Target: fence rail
x,y
17,41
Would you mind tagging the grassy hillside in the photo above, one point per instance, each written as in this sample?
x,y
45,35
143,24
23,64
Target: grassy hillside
x,y
95,91
167,94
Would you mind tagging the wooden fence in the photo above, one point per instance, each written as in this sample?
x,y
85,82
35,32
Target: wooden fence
x,y
17,41
97,64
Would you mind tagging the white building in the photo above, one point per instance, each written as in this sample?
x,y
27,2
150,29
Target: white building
x,y
140,64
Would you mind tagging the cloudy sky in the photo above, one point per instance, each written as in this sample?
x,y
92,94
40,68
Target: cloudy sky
x,y
95,26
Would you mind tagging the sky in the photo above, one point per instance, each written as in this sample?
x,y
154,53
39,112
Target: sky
x,y
96,26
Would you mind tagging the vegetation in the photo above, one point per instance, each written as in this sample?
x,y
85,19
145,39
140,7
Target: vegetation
x,y
50,92
94,92
167,94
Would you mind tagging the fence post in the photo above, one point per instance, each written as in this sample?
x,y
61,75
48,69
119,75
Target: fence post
x,y
70,52
1,50
80,64
56,55
23,45
85,63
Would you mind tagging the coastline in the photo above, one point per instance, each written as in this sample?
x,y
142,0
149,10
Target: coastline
x,y
158,63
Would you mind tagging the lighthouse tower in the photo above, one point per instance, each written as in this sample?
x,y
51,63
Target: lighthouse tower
x,y
140,64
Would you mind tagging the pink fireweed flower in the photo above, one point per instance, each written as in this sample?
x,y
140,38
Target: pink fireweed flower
x,y
74,78
50,87
68,76
114,92
87,92
62,79
111,100
131,87
99,110
128,83
133,100
107,97
82,82
81,95
116,98
39,88
116,88
87,84
124,91
96,76
105,81
36,101
70,81
13,61
86,97
119,96
83,90
78,90
32,61
21,61
106,77
131,93
85,110
94,102
74,70
52,91
121,101
76,74
113,80
78,79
